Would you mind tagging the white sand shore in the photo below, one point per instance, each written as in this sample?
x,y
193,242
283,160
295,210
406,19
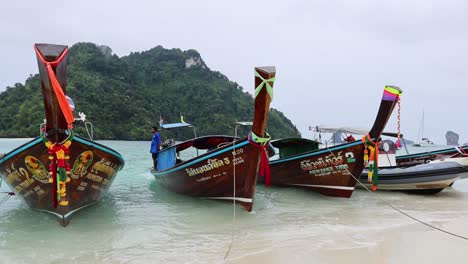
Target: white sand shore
x,y
412,243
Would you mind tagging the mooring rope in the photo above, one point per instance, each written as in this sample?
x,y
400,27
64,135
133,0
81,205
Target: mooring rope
x,y
7,196
399,210
234,195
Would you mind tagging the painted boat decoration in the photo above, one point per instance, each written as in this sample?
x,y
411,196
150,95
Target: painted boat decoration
x,y
59,172
228,169
332,171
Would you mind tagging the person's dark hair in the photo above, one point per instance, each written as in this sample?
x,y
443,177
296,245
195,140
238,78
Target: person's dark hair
x,y
155,128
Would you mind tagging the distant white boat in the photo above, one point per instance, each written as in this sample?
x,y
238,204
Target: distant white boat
x,y
423,142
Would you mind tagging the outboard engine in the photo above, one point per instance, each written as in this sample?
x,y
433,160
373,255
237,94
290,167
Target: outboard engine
x,y
167,143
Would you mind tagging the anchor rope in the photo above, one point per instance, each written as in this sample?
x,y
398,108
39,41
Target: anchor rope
x,y
399,210
234,195
6,197
258,142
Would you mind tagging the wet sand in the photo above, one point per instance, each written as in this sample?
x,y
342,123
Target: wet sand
x,y
400,240
407,244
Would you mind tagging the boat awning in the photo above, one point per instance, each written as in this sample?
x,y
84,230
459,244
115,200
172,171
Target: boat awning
x,y
350,130
206,142
175,125
245,123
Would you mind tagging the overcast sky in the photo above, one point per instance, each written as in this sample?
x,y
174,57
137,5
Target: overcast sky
x,y
333,57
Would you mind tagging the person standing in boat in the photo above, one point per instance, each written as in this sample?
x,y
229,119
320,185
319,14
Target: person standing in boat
x,y
155,146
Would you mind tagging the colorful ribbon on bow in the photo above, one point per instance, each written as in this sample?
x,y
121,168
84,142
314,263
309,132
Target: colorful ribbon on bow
x,y
262,143
371,159
59,168
264,83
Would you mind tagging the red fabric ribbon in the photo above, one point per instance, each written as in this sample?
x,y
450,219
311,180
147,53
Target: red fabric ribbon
x,y
61,98
264,169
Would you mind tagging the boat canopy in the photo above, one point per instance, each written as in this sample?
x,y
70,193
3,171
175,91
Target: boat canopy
x,y
205,142
249,123
175,125
293,146
350,130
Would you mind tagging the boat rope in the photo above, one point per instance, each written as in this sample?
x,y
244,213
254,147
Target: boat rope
x,y
371,159
461,151
397,209
262,144
258,142
7,196
233,195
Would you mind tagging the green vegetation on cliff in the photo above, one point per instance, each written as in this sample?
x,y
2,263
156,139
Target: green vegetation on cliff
x,y
124,96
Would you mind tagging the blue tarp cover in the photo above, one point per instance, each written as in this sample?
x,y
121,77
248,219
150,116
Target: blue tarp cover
x,y
166,158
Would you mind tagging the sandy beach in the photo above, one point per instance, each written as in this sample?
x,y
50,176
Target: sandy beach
x,y
343,240
410,243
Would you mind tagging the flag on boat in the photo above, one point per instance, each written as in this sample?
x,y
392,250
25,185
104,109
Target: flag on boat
x,y
161,121
71,103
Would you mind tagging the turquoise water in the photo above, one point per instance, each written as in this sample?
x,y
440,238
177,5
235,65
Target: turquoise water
x,y
140,222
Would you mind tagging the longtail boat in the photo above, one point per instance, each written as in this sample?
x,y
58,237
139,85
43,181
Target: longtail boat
x,y
332,171
228,169
59,172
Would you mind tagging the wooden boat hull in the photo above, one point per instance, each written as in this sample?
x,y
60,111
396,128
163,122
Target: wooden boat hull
x,y
332,171
423,178
93,169
327,171
228,171
212,175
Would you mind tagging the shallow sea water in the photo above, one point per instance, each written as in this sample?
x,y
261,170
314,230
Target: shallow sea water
x,y
140,222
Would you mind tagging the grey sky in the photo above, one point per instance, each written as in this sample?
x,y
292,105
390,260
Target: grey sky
x,y
333,57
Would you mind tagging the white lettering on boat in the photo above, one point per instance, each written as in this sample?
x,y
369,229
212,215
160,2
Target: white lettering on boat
x,y
328,165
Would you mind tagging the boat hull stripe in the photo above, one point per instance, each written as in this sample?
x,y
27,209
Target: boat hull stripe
x,y
317,152
240,199
325,186
201,159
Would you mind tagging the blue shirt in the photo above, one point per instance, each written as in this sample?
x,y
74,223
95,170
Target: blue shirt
x,y
155,141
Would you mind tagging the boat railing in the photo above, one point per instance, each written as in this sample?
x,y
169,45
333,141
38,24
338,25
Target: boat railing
x,y
90,130
89,127
240,124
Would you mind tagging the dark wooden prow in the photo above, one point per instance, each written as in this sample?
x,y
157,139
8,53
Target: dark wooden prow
x,y
262,109
389,100
262,101
56,55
